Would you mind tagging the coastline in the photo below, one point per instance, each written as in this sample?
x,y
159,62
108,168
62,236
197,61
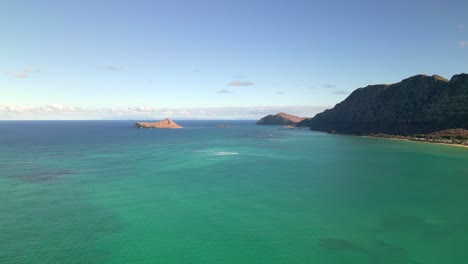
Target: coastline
x,y
417,140
450,137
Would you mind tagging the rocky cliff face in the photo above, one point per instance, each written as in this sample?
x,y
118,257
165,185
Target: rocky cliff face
x,y
281,119
417,105
166,123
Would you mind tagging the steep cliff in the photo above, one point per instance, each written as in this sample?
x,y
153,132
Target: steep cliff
x,y
418,105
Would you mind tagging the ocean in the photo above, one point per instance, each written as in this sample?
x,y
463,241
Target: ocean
x,y
106,192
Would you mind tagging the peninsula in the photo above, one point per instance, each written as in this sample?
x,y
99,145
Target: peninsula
x,y
163,124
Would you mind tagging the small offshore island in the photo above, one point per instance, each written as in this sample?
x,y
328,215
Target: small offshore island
x,y
420,108
281,119
163,124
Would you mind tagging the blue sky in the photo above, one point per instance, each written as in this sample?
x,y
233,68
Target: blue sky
x,y
231,59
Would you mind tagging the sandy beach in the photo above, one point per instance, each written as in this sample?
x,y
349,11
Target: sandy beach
x,y
421,141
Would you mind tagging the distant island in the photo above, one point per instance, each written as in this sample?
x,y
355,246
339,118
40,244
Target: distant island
x,y
280,119
421,108
163,124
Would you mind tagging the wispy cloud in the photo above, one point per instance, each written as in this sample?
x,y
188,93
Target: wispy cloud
x,y
279,93
461,26
311,87
115,68
240,83
59,111
39,109
25,73
463,43
20,75
239,76
30,70
340,92
224,91
329,86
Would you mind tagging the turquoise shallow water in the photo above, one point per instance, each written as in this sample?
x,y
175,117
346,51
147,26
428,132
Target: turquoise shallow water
x,y
104,192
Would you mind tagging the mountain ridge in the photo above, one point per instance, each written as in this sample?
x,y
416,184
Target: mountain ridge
x,y
419,104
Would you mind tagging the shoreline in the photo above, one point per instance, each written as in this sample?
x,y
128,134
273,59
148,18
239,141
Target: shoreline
x,y
421,141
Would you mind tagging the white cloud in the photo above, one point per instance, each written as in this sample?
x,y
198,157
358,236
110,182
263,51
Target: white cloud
x,y
239,76
20,75
14,108
224,92
329,86
463,43
115,68
340,92
168,113
64,112
25,73
240,83
30,70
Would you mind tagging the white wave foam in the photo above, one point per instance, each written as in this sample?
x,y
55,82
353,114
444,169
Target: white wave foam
x,y
225,153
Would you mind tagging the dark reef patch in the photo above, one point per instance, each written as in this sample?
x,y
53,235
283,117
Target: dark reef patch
x,y
406,223
378,251
32,172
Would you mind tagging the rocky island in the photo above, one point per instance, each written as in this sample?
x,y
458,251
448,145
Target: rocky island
x,y
163,124
423,108
280,119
